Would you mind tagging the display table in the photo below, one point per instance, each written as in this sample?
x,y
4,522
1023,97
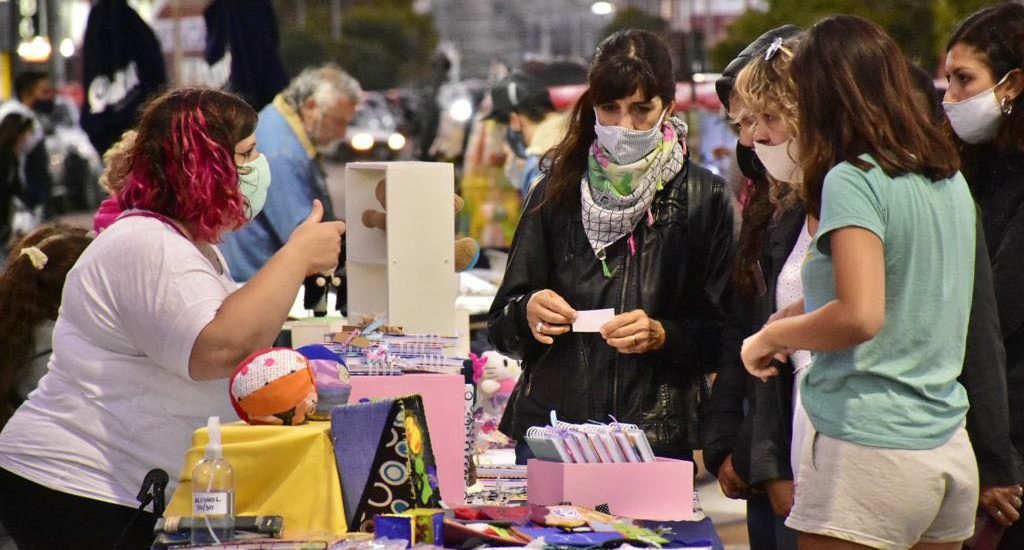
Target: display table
x,y
287,471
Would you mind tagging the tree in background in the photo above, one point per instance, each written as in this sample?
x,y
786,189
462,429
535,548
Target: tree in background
x,y
921,27
383,44
633,17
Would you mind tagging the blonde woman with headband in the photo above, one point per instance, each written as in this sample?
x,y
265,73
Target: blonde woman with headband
x,y
766,90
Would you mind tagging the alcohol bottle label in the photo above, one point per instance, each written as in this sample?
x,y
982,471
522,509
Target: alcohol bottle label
x,y
210,503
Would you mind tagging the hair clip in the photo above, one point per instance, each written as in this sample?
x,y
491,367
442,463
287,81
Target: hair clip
x,y
36,256
776,45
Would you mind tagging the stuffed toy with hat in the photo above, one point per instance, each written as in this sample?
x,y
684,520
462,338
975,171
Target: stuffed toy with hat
x,y
467,250
274,386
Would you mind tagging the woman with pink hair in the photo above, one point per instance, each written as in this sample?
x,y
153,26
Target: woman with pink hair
x,y
150,328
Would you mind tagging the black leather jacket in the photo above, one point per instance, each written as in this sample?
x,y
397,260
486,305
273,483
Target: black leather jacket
x,y
678,275
755,431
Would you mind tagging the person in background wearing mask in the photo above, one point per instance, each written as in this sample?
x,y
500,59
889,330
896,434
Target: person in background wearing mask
x,y
747,440
985,71
150,327
34,97
621,220
310,115
534,127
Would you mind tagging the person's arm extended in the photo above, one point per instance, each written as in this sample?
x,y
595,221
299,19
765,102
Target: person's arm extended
x,y
251,317
855,316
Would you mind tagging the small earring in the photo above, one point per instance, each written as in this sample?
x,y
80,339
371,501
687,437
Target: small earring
x,y
1005,106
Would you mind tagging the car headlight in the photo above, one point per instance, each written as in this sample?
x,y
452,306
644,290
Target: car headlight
x,y
362,141
396,141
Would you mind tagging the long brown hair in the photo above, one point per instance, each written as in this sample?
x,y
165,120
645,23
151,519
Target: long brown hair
x,y
855,96
624,62
30,295
997,34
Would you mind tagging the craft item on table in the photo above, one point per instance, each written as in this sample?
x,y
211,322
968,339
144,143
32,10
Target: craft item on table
x,y
363,353
632,441
555,536
457,533
518,515
274,386
548,444
262,544
419,526
557,516
467,250
333,383
385,459
592,443
366,541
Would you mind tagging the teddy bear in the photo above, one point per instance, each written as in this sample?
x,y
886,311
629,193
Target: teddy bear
x,y
467,250
274,386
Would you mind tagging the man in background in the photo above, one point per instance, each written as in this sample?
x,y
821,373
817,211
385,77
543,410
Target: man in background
x,y
311,114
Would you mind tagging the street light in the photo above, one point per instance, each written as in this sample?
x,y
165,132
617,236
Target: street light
x,y
602,8
67,48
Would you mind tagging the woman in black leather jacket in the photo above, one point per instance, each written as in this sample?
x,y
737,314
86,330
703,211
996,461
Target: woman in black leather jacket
x,y
984,105
620,220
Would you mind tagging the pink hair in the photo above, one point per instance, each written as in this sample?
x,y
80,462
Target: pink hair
x,y
181,170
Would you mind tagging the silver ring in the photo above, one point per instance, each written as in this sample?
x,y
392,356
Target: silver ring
x,y
540,325
998,514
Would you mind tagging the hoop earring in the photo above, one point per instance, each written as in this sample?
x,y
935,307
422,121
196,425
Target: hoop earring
x,y
1005,106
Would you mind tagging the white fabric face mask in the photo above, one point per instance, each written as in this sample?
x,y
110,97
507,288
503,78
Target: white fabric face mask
x,y
976,119
780,160
626,146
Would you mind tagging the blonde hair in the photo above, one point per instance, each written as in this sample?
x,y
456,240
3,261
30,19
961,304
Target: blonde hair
x,y
765,85
116,163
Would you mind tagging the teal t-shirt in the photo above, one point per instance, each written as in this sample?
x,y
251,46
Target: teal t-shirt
x,y
899,389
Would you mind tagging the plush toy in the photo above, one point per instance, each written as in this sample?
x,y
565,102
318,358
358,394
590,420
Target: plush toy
x,y
495,376
332,379
274,386
467,250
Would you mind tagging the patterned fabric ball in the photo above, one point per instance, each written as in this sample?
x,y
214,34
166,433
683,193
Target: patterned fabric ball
x,y
273,386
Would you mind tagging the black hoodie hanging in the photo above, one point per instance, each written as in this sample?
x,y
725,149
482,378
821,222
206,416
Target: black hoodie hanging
x,y
123,67
247,31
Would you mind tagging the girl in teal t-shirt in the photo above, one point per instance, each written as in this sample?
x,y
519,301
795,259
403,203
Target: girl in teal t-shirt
x,y
887,289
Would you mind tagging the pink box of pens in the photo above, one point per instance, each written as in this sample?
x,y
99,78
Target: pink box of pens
x,y
660,490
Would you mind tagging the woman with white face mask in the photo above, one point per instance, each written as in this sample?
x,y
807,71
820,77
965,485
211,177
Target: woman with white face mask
x,y
985,70
621,220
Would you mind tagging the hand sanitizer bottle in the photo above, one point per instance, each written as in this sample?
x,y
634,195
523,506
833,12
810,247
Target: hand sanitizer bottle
x,y
213,493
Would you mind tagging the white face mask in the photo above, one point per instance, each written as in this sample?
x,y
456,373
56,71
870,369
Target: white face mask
x,y
625,146
254,181
976,119
780,160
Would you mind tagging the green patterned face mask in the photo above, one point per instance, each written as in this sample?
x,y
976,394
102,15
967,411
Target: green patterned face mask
x,y
254,181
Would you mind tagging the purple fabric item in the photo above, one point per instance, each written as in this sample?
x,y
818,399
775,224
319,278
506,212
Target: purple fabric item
x,y
356,431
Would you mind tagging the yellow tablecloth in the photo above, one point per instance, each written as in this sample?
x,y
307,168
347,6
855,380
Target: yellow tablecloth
x,y
287,471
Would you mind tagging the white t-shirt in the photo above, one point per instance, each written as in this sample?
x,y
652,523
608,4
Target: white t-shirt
x,y
117,400
789,289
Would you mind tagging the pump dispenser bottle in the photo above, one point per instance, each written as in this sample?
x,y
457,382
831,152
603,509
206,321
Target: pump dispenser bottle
x,y
213,493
